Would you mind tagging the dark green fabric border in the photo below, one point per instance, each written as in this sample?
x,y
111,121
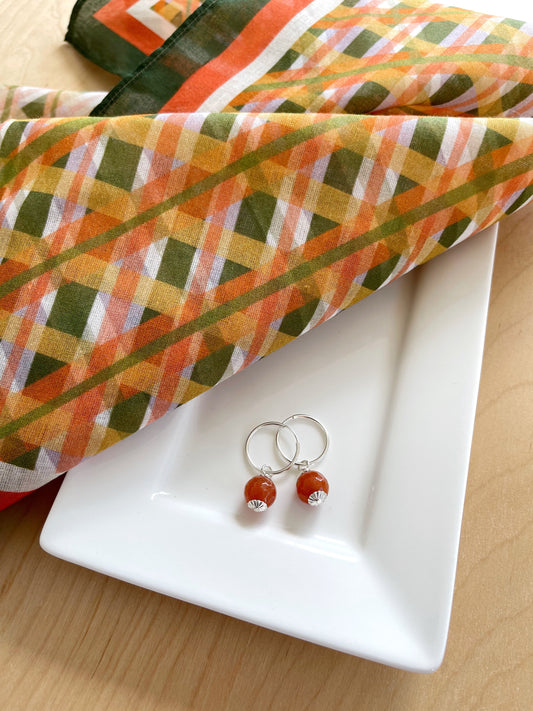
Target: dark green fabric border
x,y
203,36
99,44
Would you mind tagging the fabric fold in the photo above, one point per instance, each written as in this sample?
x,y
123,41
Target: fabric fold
x,y
366,56
31,102
118,34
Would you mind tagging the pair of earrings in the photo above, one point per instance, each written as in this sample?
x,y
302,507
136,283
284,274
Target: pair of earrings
x,y
312,487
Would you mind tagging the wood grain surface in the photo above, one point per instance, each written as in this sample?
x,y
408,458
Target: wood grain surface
x,y
73,639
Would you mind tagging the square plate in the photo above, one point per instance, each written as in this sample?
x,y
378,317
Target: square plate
x,y
371,572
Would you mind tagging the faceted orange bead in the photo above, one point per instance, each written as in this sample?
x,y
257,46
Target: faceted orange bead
x,y
260,493
312,488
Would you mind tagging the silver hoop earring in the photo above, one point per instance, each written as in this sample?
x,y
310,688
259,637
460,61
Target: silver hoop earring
x,y
312,487
260,490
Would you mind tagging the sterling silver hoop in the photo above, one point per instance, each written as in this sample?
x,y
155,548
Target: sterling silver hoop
x,y
304,462
265,469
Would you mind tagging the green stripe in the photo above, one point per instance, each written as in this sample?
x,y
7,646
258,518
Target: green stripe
x,y
40,145
55,102
396,13
279,145
259,293
511,60
8,104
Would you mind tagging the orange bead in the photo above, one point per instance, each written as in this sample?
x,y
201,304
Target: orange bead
x,y
312,488
260,493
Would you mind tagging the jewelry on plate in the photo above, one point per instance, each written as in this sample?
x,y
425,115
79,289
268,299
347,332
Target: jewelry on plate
x,y
260,491
312,487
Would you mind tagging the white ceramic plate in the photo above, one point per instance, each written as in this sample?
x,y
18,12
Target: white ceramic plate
x,y
371,572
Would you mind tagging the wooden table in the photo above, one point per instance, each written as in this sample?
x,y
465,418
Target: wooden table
x,y
73,639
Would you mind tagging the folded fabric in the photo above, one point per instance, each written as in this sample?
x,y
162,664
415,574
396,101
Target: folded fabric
x,y
379,56
146,258
29,102
119,34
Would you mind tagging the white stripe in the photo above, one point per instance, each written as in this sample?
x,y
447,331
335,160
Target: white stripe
x,y
15,479
144,13
292,31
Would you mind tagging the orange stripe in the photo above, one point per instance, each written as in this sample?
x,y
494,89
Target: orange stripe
x,y
254,38
114,15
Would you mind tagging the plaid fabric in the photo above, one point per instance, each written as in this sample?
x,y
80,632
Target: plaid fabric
x,y
119,34
29,102
379,56
146,258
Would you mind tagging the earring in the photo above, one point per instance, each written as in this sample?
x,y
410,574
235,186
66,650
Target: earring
x,y
260,491
312,487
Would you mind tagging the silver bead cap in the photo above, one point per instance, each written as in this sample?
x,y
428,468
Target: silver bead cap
x,y
257,505
317,498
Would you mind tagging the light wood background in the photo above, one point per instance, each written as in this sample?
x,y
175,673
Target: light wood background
x,y
73,639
